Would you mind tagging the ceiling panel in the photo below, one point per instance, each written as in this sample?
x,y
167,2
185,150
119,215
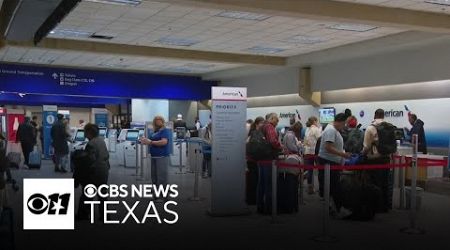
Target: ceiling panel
x,y
422,5
208,29
108,61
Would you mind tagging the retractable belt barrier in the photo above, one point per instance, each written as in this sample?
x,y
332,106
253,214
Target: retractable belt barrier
x,y
414,162
421,162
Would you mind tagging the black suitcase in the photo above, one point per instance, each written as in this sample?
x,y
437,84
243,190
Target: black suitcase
x,y
251,183
361,198
287,193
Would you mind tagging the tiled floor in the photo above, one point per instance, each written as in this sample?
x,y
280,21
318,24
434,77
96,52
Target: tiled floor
x,y
197,230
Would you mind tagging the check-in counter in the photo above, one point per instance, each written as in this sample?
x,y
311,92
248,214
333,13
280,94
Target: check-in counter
x,y
426,173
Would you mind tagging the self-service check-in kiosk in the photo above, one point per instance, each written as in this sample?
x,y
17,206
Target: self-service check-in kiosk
x,y
126,148
79,140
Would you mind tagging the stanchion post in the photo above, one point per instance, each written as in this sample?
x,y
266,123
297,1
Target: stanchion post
x,y
413,198
413,229
326,237
274,190
402,183
301,200
180,170
196,178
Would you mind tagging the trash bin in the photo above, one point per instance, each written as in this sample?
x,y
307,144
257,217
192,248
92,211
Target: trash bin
x,y
419,196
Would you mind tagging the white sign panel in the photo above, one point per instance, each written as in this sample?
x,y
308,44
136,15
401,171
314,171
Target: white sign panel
x,y
225,93
229,113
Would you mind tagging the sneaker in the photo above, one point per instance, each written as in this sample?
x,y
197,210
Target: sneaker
x,y
57,170
62,170
310,189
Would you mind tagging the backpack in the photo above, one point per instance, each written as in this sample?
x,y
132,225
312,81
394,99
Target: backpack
x,y
387,143
354,142
258,148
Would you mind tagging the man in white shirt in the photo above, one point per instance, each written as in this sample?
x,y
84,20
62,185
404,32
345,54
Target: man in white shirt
x,y
332,152
381,178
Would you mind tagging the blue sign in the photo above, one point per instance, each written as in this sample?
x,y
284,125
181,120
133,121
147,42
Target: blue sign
x,y
75,82
48,119
60,100
101,120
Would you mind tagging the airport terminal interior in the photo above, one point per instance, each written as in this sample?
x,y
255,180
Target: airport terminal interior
x,y
267,124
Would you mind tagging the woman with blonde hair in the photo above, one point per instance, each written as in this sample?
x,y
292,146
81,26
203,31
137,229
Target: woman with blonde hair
x,y
158,143
313,132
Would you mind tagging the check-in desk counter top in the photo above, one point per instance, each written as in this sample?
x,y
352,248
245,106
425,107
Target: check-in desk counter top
x,y
425,173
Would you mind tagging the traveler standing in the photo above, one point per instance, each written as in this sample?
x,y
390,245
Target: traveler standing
x,y
264,190
198,125
179,122
159,151
97,170
379,144
312,134
353,143
291,139
59,137
332,152
252,167
26,135
417,128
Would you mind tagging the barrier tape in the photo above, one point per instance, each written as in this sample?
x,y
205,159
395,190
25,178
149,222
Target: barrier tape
x,y
422,163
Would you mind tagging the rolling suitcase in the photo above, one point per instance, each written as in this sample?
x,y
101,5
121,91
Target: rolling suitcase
x,y
34,161
288,186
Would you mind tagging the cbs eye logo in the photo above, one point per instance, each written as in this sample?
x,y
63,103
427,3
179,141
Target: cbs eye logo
x,y
53,204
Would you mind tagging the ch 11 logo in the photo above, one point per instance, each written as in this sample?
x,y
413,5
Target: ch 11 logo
x,y
52,204
48,204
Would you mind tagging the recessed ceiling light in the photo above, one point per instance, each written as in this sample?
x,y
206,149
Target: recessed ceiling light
x,y
352,27
440,2
243,15
177,69
113,65
265,50
118,2
301,39
199,66
177,41
70,33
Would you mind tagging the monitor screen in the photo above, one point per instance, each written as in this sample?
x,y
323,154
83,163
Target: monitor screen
x,y
326,115
132,135
79,136
102,132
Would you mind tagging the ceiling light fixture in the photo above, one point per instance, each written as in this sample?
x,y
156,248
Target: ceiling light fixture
x,y
118,2
70,33
352,27
243,15
177,69
301,39
177,41
439,2
264,50
114,65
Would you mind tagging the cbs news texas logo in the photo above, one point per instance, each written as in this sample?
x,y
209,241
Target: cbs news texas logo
x,y
43,208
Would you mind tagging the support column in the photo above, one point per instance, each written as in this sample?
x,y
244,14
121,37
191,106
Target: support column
x,y
305,90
